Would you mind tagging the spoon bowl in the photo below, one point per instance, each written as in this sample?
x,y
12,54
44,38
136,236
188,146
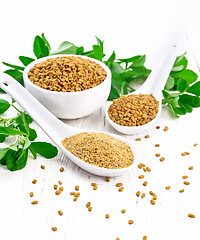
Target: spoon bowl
x,y
55,128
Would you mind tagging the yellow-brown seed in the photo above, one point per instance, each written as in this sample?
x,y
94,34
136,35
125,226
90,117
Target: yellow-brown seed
x,y
60,182
190,168
54,229
191,215
62,169
144,169
185,153
148,169
186,183
42,166
34,181
143,195
145,238
88,204
31,194
185,177
77,188
77,194
141,176
61,188
117,238
157,145
58,192
151,193
121,189
162,159
34,202
72,193
93,184
138,193
130,222
168,187
157,154
181,190
157,127
107,215
107,179
154,196
152,202
147,136
138,139
145,183
60,212
195,144
55,186
75,199
90,209
95,187
166,128
123,210
119,184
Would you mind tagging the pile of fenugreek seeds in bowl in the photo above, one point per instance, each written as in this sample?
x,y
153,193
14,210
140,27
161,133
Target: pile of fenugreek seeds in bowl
x,y
67,74
100,149
133,110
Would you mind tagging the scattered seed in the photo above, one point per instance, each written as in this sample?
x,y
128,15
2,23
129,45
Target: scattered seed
x,y
123,210
143,195
75,199
168,187
31,194
62,169
58,192
117,238
147,136
191,215
72,193
190,168
148,169
181,190
186,183
61,188
185,153
157,127
130,222
90,209
107,179
154,196
157,154
60,212
141,176
195,144
88,204
77,194
145,238
95,187
184,177
151,193
138,139
166,128
157,145
145,183
121,189
42,166
34,181
60,182
144,169
138,193
77,188
54,229
162,159
119,184
93,184
152,202
34,202
107,215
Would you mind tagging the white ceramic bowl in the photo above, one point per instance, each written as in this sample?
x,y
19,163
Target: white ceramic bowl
x,y
70,105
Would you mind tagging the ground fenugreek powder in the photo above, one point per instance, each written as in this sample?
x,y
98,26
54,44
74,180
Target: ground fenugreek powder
x,y
67,74
100,149
133,110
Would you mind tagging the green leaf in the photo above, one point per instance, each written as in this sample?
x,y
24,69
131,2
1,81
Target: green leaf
x,y
111,59
138,62
34,153
187,107
2,138
46,42
39,48
171,108
17,75
10,131
3,152
32,132
174,102
124,90
113,94
170,83
194,89
179,58
65,48
14,66
193,101
16,160
98,54
187,75
180,65
18,119
135,73
4,105
180,111
182,85
26,125
116,70
100,43
45,149
79,50
26,60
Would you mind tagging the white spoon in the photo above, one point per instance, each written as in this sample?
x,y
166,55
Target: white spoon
x,y
153,85
56,129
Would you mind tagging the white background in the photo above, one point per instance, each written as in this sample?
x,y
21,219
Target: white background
x,y
129,28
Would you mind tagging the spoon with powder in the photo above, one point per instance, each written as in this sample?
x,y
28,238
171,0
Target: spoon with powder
x,y
103,154
137,112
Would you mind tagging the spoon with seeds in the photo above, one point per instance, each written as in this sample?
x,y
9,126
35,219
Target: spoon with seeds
x,y
56,129
153,85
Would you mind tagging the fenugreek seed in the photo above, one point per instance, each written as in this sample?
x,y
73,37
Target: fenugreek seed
x,y
75,199
34,202
107,215
152,202
119,184
181,190
139,166
143,195
162,159
186,183
145,183
60,182
130,222
185,153
62,169
147,136
151,193
88,204
157,154
166,129
31,194
168,187
93,184
157,145
42,166
34,181
154,196
77,188
60,212
141,176
77,194
145,238
95,187
195,144
58,192
144,169
55,186
191,215
123,210
148,169
190,168
54,229
121,189
72,193
61,188
90,209
107,179
138,193
117,238
185,177
157,127
138,139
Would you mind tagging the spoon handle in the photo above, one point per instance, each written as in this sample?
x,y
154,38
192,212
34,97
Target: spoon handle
x,y
53,127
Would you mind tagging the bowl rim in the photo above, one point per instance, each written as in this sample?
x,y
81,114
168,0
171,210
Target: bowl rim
x,y
32,64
